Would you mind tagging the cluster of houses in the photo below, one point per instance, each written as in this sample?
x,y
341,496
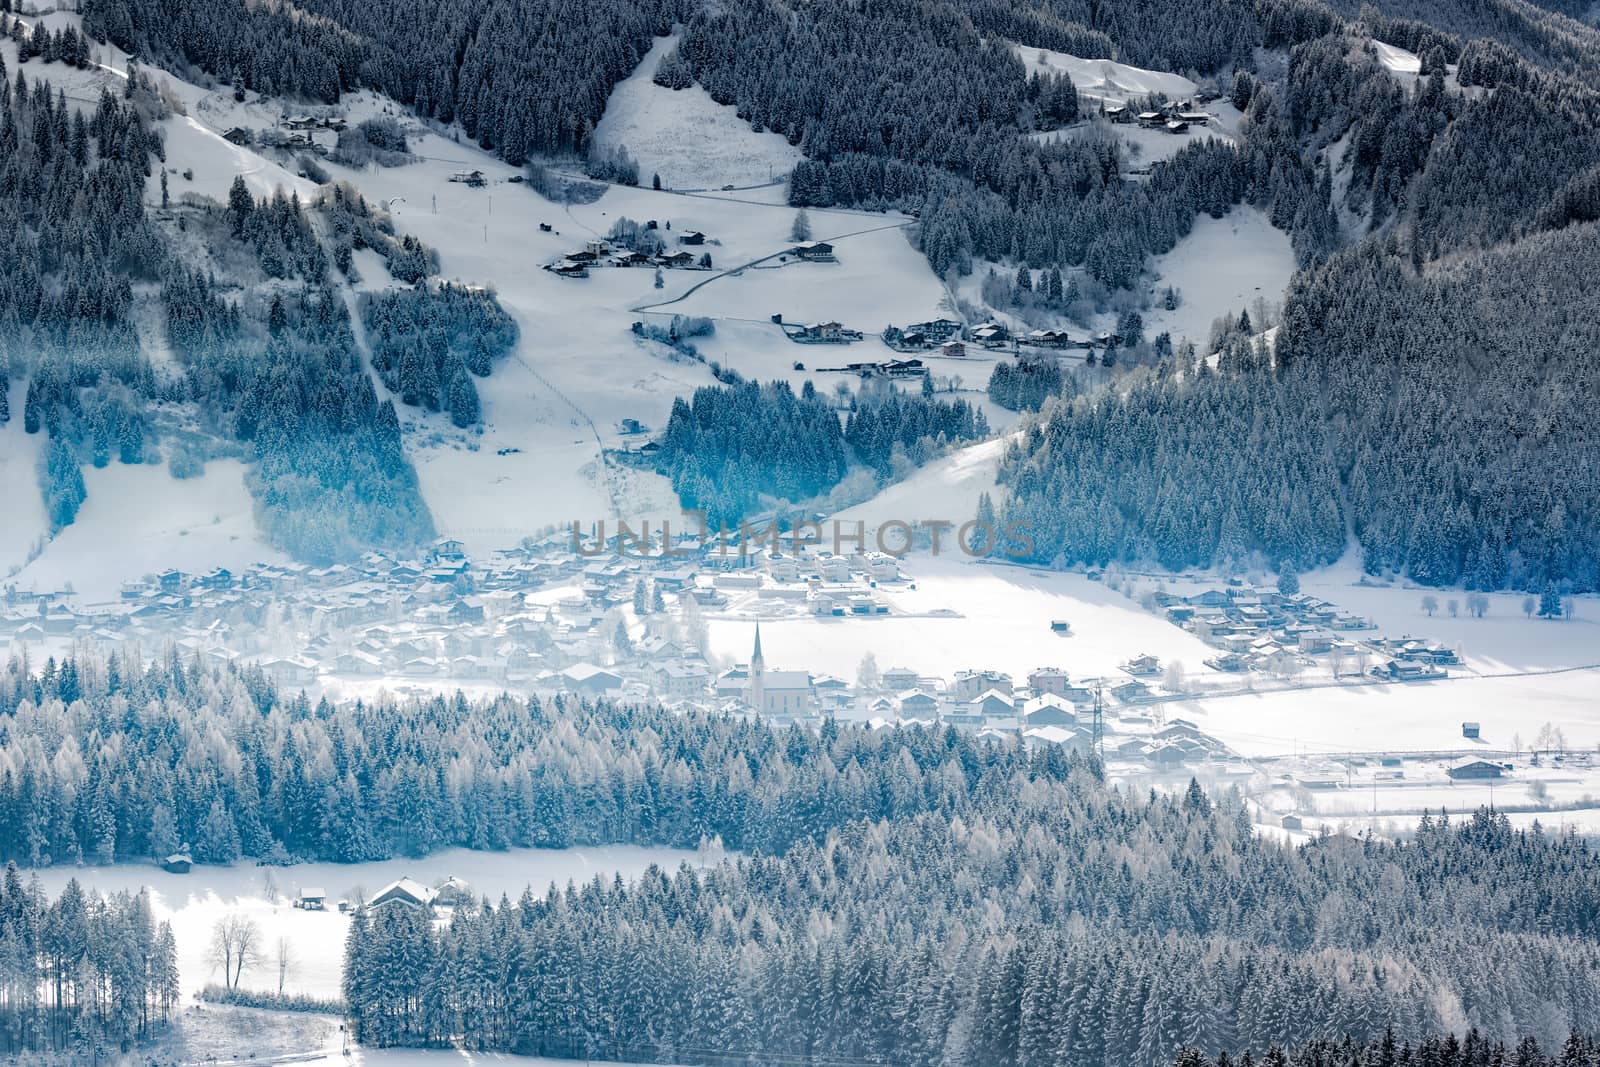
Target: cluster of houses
x,y
1174,117
600,253
1264,630
818,333
294,132
941,335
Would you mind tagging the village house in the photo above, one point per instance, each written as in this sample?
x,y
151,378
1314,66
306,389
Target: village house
x,y
1475,769
1048,680
971,684
814,252
404,892
917,704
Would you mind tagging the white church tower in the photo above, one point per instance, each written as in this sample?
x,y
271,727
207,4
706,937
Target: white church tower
x,y
758,676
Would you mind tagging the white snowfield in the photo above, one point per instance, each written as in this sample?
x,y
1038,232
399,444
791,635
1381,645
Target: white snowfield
x,y
687,138
1397,59
1105,79
194,902
1224,264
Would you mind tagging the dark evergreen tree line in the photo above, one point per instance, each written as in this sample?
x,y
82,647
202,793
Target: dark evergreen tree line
x,y
520,76
73,225
102,759
732,447
729,446
1446,419
1026,384
1471,1049
81,974
1043,920
428,344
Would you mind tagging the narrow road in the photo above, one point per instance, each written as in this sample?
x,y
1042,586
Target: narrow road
x,y
639,308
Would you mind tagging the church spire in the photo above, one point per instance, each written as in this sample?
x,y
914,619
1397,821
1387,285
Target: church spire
x,y
757,687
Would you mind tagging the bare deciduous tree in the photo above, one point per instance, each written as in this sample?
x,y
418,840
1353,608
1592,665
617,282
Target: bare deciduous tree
x,y
235,946
284,956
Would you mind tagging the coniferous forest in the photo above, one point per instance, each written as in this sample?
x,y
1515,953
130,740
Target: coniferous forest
x,y
733,446
1030,916
81,972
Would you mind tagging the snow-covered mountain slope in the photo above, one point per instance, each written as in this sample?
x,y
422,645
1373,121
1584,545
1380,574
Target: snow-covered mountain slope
x,y
1104,79
685,137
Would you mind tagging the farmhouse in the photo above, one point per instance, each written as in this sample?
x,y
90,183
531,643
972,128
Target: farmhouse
x,y
1476,769
312,898
990,334
917,704
814,252
405,892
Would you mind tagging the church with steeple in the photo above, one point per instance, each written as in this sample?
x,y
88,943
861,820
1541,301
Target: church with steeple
x,y
778,694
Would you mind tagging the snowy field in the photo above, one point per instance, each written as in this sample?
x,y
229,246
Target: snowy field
x,y
960,613
1223,265
1104,79
687,138
195,901
1402,717
155,521
1397,59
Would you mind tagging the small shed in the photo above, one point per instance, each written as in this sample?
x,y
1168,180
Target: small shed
x,y
313,898
177,863
1470,730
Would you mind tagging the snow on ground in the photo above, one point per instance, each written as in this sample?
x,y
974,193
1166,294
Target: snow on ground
x,y
1402,717
1104,79
1223,265
1504,640
687,138
1397,59
400,1057
194,902
140,520
947,489
959,613
579,370
1144,145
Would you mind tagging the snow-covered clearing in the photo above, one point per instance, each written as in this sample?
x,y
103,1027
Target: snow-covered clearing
x,y
947,489
686,137
1397,59
194,902
1144,145
141,520
1105,79
959,613
1402,717
1223,265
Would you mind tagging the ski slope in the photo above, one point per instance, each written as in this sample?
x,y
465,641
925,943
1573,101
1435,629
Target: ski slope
x,y
686,137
